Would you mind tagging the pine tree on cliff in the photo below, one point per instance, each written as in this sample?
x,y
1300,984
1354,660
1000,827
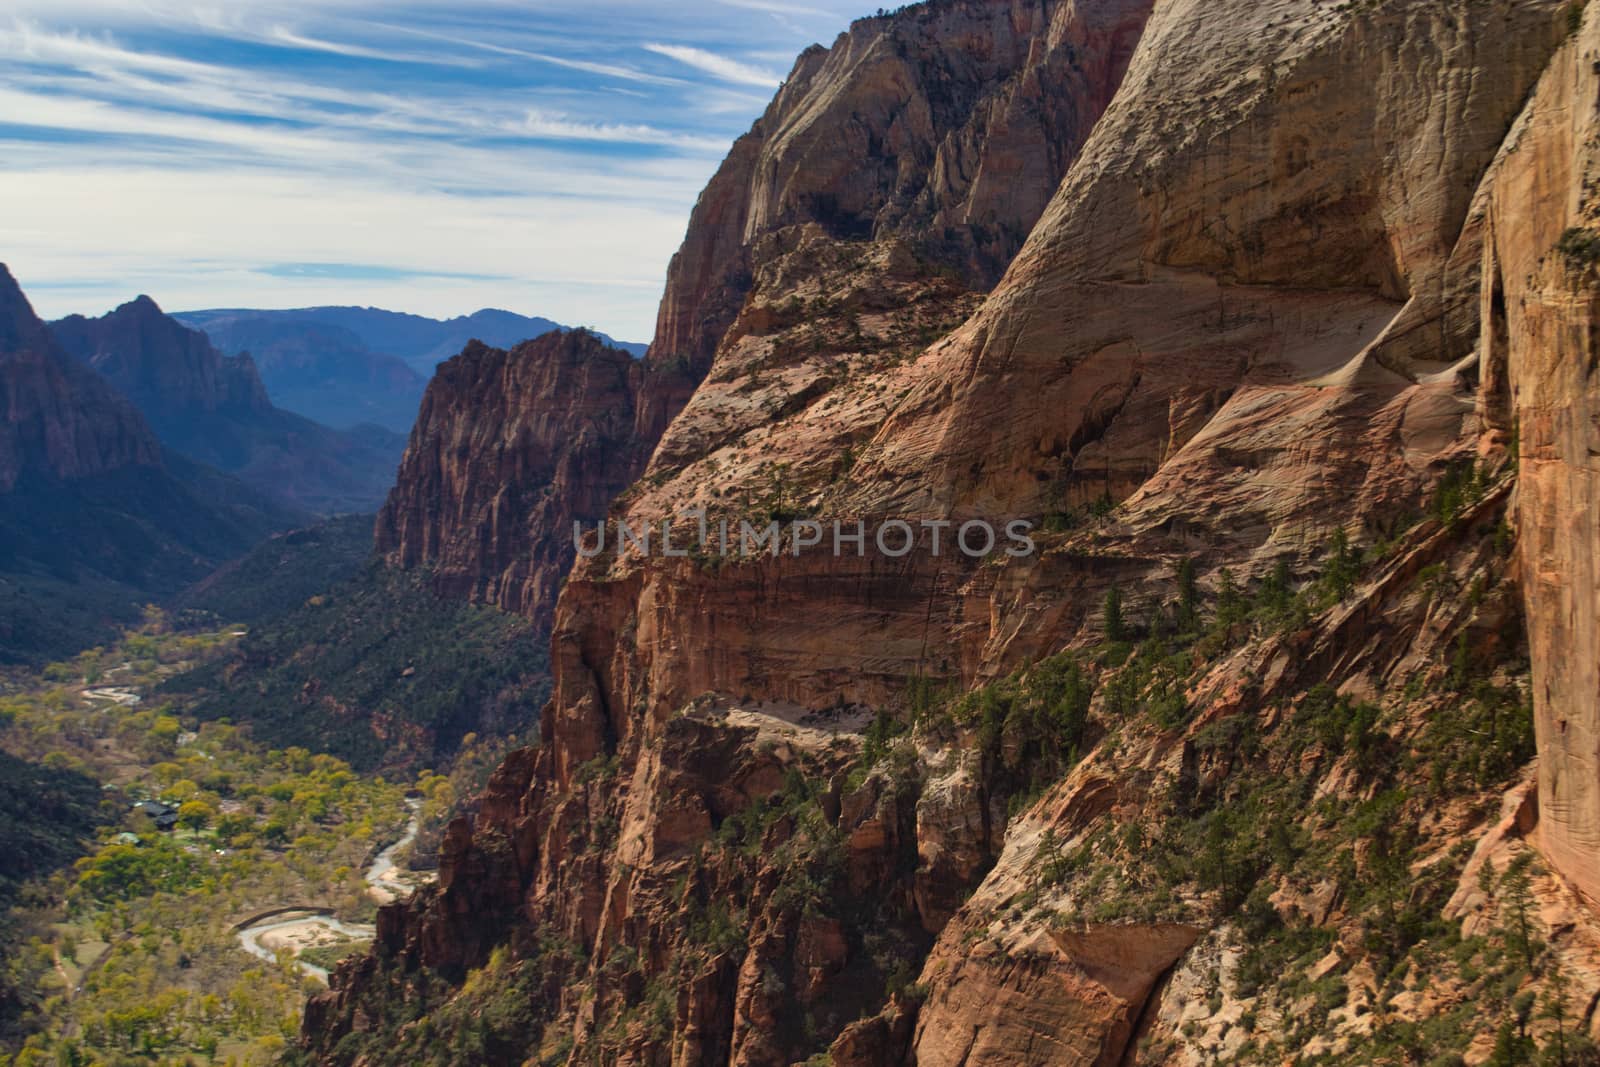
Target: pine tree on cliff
x,y
1116,628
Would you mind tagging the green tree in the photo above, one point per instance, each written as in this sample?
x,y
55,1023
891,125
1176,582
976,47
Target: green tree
x,y
1343,566
1231,607
1116,627
1554,1009
195,814
1277,590
1516,888
1188,596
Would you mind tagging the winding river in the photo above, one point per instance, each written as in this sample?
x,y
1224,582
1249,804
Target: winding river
x,y
305,927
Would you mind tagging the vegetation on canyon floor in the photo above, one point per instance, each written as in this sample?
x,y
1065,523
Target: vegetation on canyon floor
x,y
377,670
129,955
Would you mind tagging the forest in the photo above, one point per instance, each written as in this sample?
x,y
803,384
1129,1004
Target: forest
x,y
118,939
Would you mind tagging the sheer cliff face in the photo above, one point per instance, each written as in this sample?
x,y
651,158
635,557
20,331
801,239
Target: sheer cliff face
x,y
60,419
1241,314
510,448
949,125
1267,210
1290,278
1540,305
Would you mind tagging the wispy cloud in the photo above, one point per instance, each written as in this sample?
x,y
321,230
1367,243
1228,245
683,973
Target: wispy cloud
x,y
282,35
27,42
718,66
370,272
791,17
777,7
538,124
122,84
539,155
609,70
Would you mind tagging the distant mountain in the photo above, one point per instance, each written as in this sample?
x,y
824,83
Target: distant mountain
x,y
215,410
96,516
319,370
421,342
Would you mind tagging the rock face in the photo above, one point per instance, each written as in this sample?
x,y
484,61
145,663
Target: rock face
x,y
163,367
948,125
215,411
966,143
1540,302
509,450
1263,313
1231,393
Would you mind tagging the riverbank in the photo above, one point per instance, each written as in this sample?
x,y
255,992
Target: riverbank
x,y
300,929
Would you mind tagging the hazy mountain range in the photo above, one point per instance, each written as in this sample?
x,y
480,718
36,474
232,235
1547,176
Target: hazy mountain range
x,y
346,365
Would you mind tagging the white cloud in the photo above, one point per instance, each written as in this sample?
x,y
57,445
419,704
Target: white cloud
x,y
610,70
184,239
777,7
282,35
538,124
531,154
719,66
25,41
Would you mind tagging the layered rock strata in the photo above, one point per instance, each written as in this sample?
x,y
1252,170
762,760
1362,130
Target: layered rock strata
x,y
1266,316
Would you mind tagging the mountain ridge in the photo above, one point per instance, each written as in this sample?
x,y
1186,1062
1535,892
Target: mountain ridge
x,y
1280,747
216,410
418,340
98,516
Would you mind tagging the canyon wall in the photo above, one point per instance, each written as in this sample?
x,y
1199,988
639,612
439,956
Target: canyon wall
x,y
1282,314
60,419
1246,337
948,124
509,449
165,368
214,410
97,518
1539,310
963,144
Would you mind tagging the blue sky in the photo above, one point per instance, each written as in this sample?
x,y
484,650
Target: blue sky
x,y
540,156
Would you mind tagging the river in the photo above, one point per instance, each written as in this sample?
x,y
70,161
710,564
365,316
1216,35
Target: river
x,y
304,928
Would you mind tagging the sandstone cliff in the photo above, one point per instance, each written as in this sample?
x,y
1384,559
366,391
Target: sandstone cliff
x,y
949,125
1231,769
964,144
510,449
1538,306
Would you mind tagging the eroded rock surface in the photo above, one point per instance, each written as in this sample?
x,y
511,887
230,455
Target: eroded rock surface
x,y
1539,307
1256,324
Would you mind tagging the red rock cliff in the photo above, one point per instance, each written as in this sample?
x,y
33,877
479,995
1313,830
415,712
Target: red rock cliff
x,y
510,448
1540,306
967,114
161,365
1260,314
